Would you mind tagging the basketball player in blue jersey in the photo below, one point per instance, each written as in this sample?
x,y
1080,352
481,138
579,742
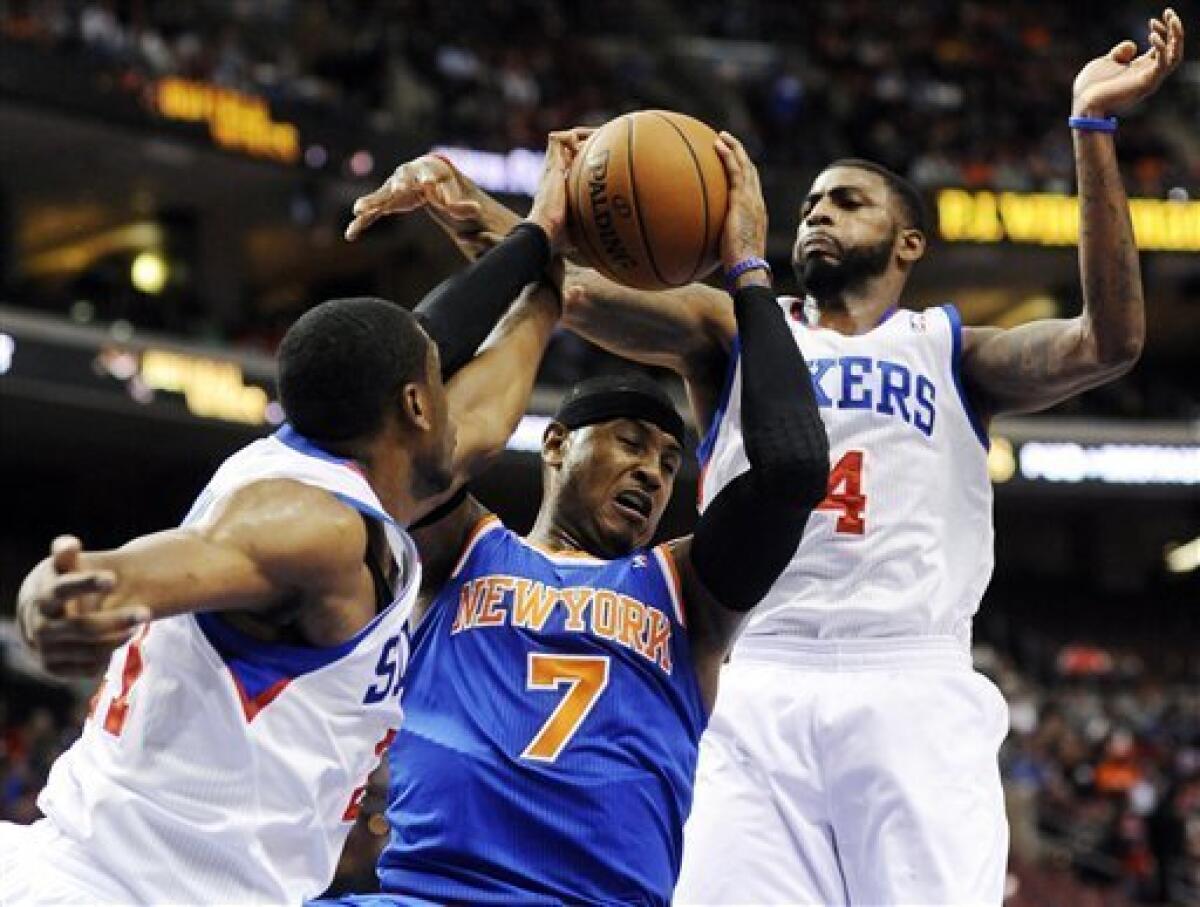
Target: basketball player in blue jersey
x,y
851,757
561,681
229,743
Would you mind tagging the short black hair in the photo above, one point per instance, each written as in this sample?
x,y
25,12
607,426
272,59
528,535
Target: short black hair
x,y
341,363
915,212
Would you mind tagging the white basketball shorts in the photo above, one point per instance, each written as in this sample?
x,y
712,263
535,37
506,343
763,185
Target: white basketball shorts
x,y
850,774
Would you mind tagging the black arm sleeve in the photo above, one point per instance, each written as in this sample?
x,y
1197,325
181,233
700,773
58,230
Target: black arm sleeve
x,y
461,311
751,529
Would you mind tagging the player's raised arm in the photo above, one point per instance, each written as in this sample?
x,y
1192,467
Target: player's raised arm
x,y
273,541
489,395
749,532
689,330
1039,364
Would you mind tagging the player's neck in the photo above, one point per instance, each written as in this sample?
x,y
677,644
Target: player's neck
x,y
390,474
861,309
549,534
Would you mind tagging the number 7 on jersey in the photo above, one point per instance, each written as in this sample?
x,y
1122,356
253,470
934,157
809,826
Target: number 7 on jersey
x,y
586,675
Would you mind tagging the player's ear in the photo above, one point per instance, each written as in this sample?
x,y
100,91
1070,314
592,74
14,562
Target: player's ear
x,y
416,406
554,444
910,245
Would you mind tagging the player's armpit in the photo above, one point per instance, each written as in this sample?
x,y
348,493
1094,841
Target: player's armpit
x,y
1036,365
689,330
268,541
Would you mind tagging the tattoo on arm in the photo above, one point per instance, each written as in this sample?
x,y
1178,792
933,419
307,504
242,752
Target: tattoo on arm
x,y
1036,365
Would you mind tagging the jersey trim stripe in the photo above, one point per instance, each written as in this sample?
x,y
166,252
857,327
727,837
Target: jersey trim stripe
x,y
704,451
666,563
955,320
486,524
566,556
297,442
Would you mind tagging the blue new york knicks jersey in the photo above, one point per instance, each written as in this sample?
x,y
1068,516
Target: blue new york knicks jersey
x,y
552,720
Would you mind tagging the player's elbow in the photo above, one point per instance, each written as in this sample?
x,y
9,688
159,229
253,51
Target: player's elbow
x,y
1120,354
806,478
1115,351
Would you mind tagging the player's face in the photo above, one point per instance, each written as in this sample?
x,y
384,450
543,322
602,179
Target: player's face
x,y
434,458
847,233
618,478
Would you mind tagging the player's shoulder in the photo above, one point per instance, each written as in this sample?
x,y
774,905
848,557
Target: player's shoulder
x,y
287,520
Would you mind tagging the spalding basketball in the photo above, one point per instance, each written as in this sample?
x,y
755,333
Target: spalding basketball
x,y
647,196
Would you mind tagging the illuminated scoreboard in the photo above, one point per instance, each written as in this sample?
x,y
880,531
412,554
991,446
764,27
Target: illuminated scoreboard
x,y
1046,219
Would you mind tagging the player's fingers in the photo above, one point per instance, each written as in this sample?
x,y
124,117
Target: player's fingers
x,y
1123,52
371,200
57,640
460,210
63,595
729,159
103,624
743,158
360,224
88,582
1175,38
575,138
64,553
1159,45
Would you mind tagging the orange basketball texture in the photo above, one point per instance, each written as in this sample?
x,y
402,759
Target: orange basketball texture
x,y
647,196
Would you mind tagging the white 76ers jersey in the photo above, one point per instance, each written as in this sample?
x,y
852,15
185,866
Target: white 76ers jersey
x,y
902,544
217,769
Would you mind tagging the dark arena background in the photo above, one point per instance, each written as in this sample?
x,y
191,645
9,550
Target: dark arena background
x,y
175,179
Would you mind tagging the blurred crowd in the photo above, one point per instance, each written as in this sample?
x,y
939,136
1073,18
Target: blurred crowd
x,y
951,92
1101,772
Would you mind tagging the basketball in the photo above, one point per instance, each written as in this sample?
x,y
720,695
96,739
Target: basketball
x,y
647,196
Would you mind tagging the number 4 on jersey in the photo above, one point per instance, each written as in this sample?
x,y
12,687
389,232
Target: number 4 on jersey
x,y
846,494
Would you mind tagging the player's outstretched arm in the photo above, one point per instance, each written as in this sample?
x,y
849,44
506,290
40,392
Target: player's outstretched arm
x,y
272,541
749,532
689,330
1037,365
462,310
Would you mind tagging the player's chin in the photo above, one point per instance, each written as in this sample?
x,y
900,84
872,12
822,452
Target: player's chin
x,y
625,531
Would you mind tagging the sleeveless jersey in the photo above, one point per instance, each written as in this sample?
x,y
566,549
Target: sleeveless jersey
x,y
552,723
902,544
215,768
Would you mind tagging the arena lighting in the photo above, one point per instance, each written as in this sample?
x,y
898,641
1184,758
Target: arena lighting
x,y
1046,219
236,121
212,388
1001,462
8,347
1183,558
515,173
149,272
1111,464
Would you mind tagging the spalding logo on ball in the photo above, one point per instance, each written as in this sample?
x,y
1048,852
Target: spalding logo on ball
x,y
647,196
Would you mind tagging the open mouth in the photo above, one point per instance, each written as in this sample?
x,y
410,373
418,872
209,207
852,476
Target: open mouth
x,y
636,502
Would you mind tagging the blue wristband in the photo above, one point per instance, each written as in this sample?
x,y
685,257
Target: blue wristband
x,y
1093,124
746,264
